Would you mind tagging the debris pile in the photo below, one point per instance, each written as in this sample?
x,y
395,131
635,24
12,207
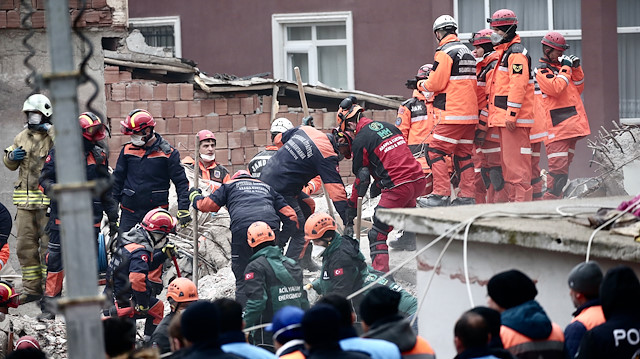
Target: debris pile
x,y
51,334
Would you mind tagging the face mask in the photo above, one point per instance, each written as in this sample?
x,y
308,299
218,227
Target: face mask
x,y
496,38
137,140
34,118
478,59
208,158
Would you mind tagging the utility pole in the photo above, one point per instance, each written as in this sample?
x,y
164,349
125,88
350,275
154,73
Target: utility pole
x,y
81,307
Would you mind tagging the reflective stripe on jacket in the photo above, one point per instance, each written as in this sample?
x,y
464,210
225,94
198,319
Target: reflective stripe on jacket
x,y
524,347
538,132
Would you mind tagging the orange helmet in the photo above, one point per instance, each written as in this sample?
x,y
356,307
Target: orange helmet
x,y
481,37
159,220
317,225
349,108
503,17
92,127
8,295
137,121
555,40
258,233
182,290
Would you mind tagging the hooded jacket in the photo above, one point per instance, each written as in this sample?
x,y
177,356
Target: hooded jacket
x,y
398,331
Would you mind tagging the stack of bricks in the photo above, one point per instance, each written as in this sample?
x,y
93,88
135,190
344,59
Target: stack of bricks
x,y
97,14
240,121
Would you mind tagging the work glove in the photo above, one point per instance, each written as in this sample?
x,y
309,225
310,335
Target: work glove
x,y
348,231
375,189
350,214
308,121
565,61
478,140
575,60
43,127
17,154
184,218
363,179
113,229
170,250
511,125
308,286
193,193
411,84
141,309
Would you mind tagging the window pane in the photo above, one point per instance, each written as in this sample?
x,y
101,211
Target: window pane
x,y
628,13
534,49
302,61
471,16
331,32
298,33
158,36
566,14
628,75
332,66
532,14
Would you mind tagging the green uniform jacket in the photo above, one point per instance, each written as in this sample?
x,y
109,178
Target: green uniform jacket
x,y
26,194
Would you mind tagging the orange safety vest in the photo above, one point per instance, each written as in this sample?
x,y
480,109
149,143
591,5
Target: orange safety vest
x,y
564,110
590,317
538,132
521,345
511,86
422,350
453,83
415,121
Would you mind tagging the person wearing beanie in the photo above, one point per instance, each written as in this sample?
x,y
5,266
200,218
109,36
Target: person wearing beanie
x,y
321,332
471,337
381,320
618,336
232,339
584,290
200,328
287,332
349,340
119,337
492,318
526,329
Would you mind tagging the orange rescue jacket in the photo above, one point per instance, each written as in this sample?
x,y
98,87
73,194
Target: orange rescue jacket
x,y
453,82
590,317
521,345
538,132
511,86
565,114
415,121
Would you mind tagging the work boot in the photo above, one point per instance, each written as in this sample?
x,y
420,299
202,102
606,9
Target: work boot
x,y
406,242
27,298
433,200
307,262
462,201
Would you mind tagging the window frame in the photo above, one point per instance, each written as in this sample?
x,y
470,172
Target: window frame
x,y
281,47
173,21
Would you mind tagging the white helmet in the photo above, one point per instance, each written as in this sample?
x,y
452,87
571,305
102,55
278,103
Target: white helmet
x,y
39,103
281,125
444,21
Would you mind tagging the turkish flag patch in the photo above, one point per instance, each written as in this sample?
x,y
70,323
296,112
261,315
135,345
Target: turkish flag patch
x,y
248,276
48,159
144,257
338,272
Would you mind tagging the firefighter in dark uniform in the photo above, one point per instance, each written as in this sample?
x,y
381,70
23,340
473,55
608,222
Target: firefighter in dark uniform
x,y
278,127
143,171
248,200
272,281
380,149
131,267
93,131
306,153
208,168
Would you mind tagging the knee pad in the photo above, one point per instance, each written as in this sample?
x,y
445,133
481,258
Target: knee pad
x,y
431,155
484,172
559,181
495,176
458,159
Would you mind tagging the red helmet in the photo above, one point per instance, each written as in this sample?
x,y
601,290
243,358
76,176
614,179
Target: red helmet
x,y
481,37
92,127
8,295
317,225
206,135
27,342
137,121
258,233
424,71
182,290
240,173
503,17
348,109
159,220
555,40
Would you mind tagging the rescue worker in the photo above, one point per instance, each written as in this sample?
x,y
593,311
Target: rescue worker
x,y
144,169
287,332
97,168
344,270
526,331
9,298
617,338
453,83
208,168
131,267
248,200
381,319
278,127
510,105
306,153
28,153
486,154
379,150
272,281
415,121
561,79
537,135
181,292
584,290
